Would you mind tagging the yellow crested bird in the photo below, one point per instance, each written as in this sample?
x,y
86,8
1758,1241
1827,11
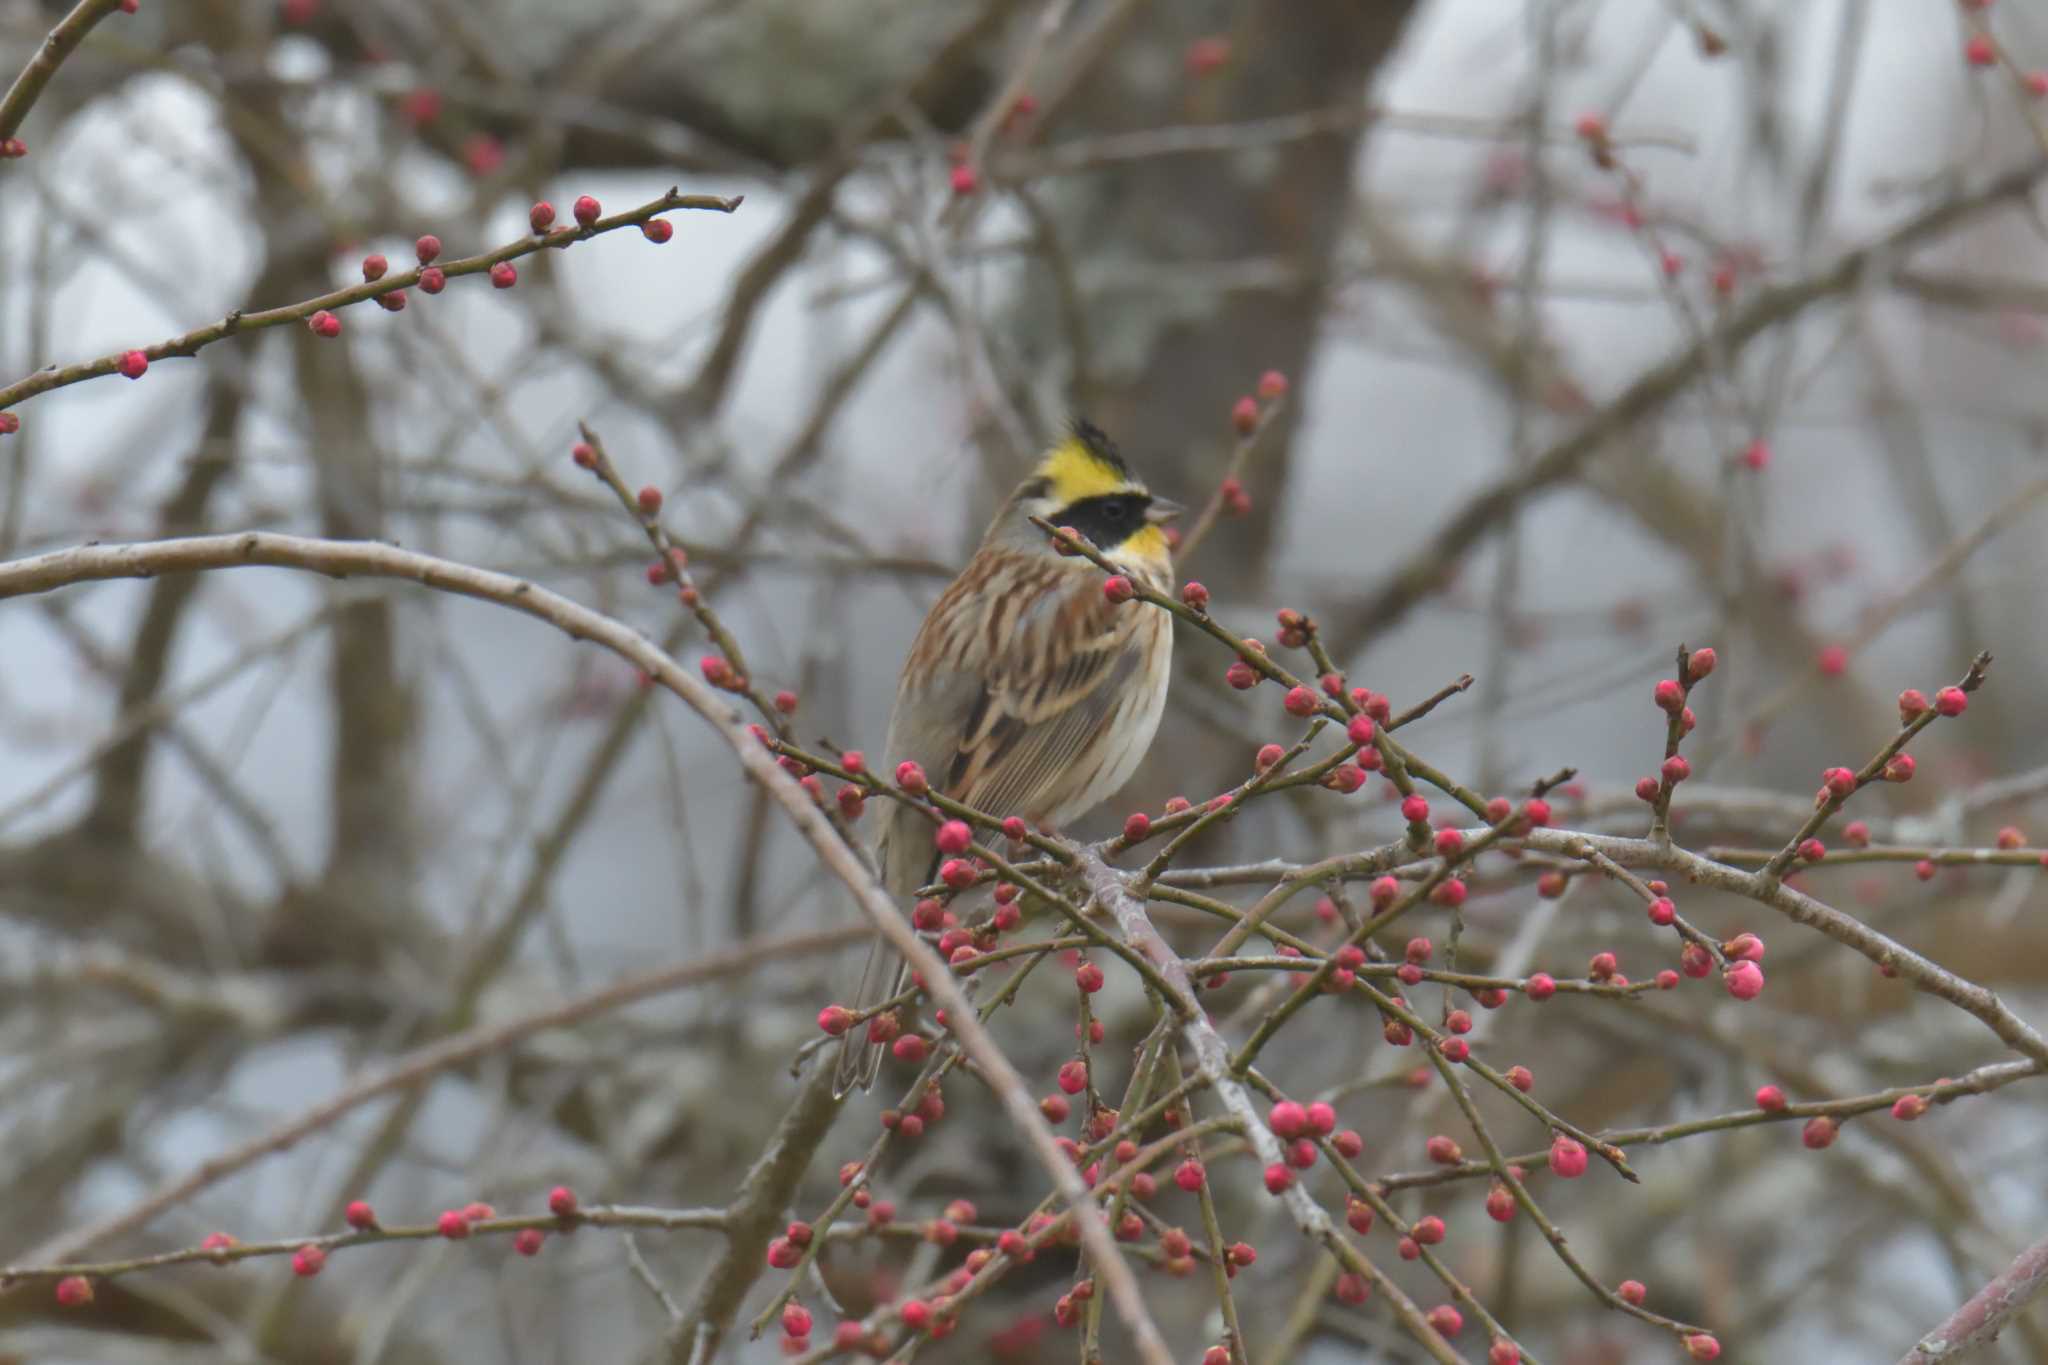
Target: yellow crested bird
x,y
1027,691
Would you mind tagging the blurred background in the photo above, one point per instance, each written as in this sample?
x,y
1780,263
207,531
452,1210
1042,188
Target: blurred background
x,y
1548,419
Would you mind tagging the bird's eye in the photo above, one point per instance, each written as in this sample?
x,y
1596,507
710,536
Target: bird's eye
x,y
1115,511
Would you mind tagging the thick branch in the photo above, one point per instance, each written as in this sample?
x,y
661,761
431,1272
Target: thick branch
x,y
44,573
1988,1310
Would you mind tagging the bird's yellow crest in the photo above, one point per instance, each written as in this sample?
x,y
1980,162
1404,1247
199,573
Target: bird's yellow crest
x,y
1084,465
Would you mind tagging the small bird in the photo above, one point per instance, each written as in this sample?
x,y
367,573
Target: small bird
x,y
1028,692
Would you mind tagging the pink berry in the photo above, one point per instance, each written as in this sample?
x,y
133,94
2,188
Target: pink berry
x,y
1669,695
1745,980
1700,1346
562,1201
1088,977
1278,1178
953,837
541,216
1756,455
586,210
1632,1292
134,364
324,324
964,179
1244,415
1447,1320
360,1215
1833,661
1951,701
1567,1158
1540,986
1272,385
9,424
1118,589
1287,1119
1414,809
527,1241
1137,827
1205,56
1909,1107
452,1225
433,280
1647,789
428,247
1189,1175
1591,127
1675,769
1522,1078
657,230
1301,702
504,275
1838,781
1819,1133
1980,51
649,500
374,266
1662,911
74,1291
1812,850
309,1260
1194,594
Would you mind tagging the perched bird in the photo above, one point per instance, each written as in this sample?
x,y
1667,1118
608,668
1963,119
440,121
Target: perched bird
x,y
1027,691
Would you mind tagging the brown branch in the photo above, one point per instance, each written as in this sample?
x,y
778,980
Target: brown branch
x,y
190,343
62,42
44,573
1845,929
1213,1065
1988,1310
1425,569
405,1072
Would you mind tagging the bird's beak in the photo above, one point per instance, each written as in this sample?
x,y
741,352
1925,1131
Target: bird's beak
x,y
1161,510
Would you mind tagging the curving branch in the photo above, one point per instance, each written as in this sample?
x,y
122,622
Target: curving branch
x,y
1988,1311
62,42
92,563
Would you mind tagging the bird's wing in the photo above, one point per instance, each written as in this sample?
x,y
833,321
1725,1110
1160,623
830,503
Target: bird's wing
x,y
996,704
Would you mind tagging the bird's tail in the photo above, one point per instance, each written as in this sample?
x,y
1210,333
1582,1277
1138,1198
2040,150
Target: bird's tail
x,y
907,863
